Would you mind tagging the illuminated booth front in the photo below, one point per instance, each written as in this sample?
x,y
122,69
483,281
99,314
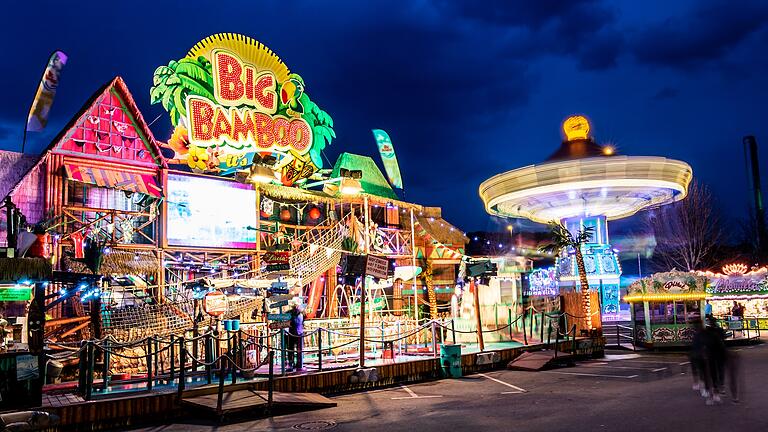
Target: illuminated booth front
x,y
667,308
749,288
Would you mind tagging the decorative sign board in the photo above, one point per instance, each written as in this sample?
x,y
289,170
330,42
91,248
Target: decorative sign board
x,y
279,325
277,304
376,266
215,303
15,293
279,317
231,100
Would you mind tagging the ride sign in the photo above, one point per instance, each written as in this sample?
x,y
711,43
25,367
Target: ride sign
x,y
215,303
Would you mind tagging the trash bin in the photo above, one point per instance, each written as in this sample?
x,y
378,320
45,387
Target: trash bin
x,y
450,360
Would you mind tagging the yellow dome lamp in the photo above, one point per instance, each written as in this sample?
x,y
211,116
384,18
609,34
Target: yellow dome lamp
x,y
576,127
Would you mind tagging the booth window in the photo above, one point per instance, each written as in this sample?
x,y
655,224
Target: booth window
x,y
639,313
662,313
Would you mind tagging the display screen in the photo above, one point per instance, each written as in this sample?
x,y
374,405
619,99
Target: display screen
x,y
207,212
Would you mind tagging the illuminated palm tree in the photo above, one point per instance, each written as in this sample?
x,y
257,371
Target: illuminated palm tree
x,y
562,240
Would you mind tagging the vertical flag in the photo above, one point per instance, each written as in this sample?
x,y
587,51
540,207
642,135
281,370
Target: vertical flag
x,y
387,152
41,105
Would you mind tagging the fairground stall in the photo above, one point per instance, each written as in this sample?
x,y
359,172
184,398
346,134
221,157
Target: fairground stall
x,y
174,238
737,284
666,308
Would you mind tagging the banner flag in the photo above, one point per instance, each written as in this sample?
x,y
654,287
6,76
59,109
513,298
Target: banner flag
x,y
41,105
387,152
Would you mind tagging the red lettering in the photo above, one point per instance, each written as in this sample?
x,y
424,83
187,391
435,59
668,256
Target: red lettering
x,y
200,118
281,132
228,70
300,135
265,137
249,83
242,128
221,126
266,97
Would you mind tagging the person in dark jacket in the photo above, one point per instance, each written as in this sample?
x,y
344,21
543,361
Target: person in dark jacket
x,y
296,338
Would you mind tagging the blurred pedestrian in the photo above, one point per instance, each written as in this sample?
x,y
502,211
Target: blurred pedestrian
x,y
716,357
708,310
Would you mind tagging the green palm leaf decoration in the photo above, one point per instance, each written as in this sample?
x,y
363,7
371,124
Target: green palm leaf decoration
x,y
173,83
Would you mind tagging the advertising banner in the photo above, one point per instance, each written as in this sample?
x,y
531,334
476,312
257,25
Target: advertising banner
x,y
388,158
41,106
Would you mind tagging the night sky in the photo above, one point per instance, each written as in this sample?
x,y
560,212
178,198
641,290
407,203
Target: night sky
x,y
466,89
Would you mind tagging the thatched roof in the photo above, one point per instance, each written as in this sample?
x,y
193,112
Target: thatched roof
x,y
373,181
16,269
119,262
13,166
438,228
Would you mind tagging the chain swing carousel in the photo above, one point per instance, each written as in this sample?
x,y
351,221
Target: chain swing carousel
x,y
585,185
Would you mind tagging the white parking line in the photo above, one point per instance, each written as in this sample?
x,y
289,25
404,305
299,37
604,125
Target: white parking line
x,y
606,366
518,389
593,375
653,362
413,395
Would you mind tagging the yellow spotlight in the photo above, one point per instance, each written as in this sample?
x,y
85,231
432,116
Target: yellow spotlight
x,y
609,150
261,174
350,186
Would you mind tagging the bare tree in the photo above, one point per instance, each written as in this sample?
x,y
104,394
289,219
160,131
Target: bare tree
x,y
687,232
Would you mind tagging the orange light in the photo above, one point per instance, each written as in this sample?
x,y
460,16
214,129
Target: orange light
x,y
735,269
609,150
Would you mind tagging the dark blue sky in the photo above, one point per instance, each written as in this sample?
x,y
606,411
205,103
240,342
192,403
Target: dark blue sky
x,y
466,89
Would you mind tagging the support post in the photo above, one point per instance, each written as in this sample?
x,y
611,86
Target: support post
x,y
172,354
208,348
525,337
149,363
476,289
182,365
453,330
413,264
105,378
91,366
509,322
434,339
362,320
320,349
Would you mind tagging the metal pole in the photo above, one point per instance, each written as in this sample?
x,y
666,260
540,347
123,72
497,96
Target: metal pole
x,y
362,321
413,264
476,289
172,354
509,322
182,365
434,339
320,348
106,366
453,330
149,363
525,337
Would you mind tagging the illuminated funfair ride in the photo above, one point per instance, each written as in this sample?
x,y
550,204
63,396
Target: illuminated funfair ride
x,y
584,184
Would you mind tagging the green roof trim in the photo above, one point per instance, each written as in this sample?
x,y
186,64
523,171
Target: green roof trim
x,y
373,181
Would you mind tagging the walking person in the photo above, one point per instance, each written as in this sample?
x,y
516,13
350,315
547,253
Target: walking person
x,y
296,337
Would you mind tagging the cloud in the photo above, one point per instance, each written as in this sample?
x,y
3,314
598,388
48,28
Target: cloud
x,y
706,33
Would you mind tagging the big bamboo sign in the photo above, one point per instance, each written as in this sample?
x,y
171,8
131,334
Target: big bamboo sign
x,y
231,99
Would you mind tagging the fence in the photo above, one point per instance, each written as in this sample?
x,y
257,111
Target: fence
x,y
176,362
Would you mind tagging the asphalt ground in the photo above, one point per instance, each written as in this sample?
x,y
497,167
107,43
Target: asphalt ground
x,y
624,392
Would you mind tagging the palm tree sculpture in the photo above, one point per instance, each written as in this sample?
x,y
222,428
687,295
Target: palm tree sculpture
x,y
562,239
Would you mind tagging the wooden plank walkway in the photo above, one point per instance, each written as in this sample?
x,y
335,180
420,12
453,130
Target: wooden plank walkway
x,y
243,400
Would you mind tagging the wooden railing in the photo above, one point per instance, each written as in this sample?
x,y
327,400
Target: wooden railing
x,y
114,226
